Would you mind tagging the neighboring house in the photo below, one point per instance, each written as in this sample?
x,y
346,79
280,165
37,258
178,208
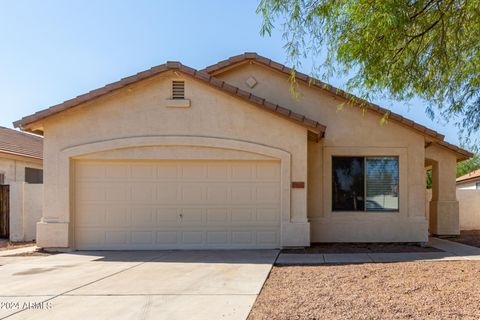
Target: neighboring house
x,y
21,179
468,195
469,181
225,157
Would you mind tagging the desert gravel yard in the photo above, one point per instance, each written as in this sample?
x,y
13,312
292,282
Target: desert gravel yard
x,y
410,290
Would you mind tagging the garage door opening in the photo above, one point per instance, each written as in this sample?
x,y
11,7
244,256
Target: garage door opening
x,y
148,205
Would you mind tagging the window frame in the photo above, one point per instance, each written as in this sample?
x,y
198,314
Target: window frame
x,y
365,209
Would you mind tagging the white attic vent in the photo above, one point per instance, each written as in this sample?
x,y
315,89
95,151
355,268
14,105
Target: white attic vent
x,y
178,90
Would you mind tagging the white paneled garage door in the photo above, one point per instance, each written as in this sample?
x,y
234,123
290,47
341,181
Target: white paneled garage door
x,y
177,204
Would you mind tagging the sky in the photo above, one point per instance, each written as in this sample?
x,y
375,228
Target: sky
x,y
52,51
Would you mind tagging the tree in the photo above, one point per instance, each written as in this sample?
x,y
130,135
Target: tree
x,y
398,49
468,166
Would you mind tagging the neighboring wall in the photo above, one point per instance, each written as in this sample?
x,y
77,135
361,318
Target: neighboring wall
x,y
468,185
14,170
26,201
469,203
350,132
469,209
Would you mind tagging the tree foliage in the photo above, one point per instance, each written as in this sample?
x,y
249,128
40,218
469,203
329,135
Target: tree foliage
x,y
468,166
399,49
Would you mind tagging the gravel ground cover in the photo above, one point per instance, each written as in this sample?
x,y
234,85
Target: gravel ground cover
x,y
5,244
411,290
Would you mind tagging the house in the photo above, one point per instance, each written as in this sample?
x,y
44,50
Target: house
x,y
226,157
469,181
21,178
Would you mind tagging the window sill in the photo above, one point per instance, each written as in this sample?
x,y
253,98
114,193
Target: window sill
x,y
178,103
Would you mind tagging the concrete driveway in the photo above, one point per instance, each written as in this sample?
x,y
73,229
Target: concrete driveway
x,y
134,285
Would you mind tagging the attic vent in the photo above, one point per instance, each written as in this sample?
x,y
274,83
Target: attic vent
x,y
178,90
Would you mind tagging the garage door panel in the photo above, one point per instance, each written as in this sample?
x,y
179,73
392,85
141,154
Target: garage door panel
x,y
193,171
218,172
266,172
193,193
117,171
167,171
117,216
267,193
92,215
87,170
144,171
177,204
143,237
168,193
143,217
167,237
117,192
217,215
143,192
166,215
90,192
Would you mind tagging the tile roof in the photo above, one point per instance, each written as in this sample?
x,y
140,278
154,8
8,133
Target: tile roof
x,y
20,143
254,57
469,176
315,128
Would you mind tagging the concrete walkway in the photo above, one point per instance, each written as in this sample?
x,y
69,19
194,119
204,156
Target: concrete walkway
x,y
135,285
452,251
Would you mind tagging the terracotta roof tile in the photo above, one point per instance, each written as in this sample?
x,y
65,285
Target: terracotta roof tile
x,y
21,143
469,176
316,129
437,137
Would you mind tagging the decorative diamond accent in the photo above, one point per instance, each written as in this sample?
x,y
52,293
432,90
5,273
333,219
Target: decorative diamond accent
x,y
251,82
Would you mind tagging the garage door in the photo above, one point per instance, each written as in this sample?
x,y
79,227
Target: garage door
x,y
121,205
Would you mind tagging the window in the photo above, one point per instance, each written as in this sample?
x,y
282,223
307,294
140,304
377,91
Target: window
x,y
365,184
33,175
178,90
477,186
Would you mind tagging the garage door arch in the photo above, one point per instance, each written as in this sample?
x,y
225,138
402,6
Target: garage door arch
x,y
72,154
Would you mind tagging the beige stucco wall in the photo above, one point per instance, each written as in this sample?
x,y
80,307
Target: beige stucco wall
x,y
135,123
26,203
444,207
349,132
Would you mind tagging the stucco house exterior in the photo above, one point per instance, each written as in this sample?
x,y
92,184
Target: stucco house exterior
x,y
470,181
21,189
226,157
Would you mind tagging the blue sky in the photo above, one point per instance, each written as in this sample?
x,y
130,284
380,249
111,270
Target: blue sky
x,y
51,51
